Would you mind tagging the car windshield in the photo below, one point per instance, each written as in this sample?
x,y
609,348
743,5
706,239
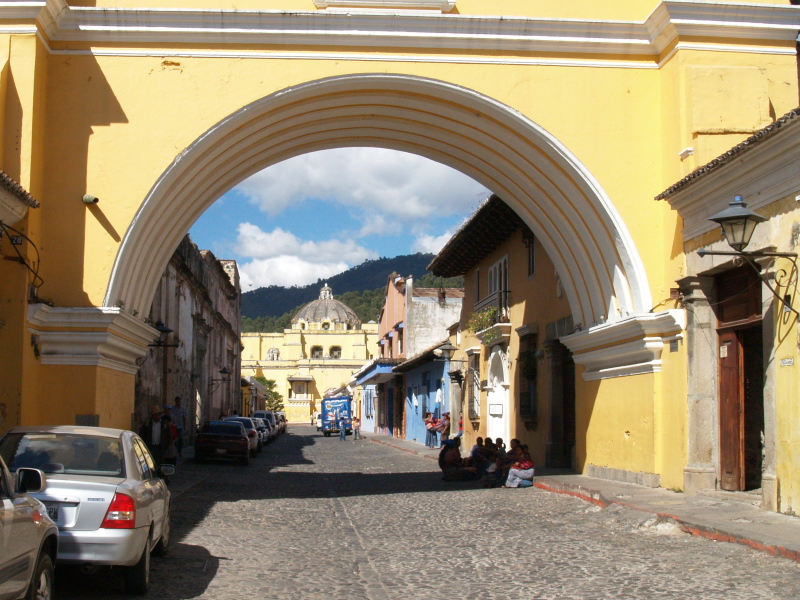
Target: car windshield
x,y
69,453
224,428
247,422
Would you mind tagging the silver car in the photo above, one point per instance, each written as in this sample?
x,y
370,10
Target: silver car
x,y
104,492
28,538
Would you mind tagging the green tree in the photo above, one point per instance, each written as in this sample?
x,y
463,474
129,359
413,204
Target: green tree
x,y
274,399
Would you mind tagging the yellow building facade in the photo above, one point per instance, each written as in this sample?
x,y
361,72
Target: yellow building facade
x,y
743,428
325,345
518,371
575,114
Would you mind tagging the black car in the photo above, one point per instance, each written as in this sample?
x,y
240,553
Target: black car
x,y
222,440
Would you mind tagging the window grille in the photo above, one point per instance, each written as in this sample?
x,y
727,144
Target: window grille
x,y
527,367
368,401
473,384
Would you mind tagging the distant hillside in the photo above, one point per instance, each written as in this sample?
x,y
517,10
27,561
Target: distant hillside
x,y
274,301
367,304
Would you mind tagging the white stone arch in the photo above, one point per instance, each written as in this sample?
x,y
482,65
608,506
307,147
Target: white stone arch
x,y
557,197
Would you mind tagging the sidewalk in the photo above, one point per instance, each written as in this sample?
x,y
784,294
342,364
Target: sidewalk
x,y
187,475
720,516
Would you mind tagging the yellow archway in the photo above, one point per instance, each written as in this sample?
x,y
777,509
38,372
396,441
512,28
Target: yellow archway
x,y
543,181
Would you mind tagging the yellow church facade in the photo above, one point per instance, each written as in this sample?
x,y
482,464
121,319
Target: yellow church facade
x,y
125,120
325,345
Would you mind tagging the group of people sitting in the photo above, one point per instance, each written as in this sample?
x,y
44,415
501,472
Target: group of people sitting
x,y
489,460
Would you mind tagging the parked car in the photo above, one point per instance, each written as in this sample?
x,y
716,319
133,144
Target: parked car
x,y
29,540
104,491
222,439
264,431
269,417
252,433
284,422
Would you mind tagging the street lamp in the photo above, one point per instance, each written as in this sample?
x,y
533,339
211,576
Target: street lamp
x,y
738,224
224,372
161,342
447,351
163,334
213,388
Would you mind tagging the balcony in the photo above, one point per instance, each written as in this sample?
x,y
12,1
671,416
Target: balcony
x,y
495,334
490,319
498,300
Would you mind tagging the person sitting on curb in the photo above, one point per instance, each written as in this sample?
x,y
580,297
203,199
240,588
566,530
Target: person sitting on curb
x,y
521,471
451,463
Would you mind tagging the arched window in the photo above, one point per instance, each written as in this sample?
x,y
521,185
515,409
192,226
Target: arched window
x,y
326,325
316,352
336,352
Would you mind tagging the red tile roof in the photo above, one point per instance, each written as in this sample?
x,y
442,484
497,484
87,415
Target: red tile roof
x,y
17,190
793,116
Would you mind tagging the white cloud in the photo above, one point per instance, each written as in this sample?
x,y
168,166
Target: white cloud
x,y
374,181
429,243
281,258
286,271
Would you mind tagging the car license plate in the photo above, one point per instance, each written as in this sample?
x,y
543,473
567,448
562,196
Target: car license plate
x,y
221,451
52,512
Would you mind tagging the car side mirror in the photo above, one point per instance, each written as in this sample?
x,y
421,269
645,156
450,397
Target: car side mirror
x,y
167,470
30,481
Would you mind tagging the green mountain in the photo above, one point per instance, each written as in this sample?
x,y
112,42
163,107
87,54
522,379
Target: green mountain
x,y
361,288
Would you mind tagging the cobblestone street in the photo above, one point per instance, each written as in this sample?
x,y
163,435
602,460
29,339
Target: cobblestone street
x,y
317,518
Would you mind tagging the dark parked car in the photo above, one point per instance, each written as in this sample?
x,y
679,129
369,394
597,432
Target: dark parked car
x,y
29,539
252,433
222,439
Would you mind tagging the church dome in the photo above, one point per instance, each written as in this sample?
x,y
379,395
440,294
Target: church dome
x,y
327,309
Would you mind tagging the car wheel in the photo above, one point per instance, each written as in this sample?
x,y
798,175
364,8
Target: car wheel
x,y
163,544
246,460
137,577
41,587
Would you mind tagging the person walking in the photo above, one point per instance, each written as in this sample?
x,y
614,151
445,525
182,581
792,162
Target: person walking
x,y
444,427
179,421
156,435
430,430
342,428
356,429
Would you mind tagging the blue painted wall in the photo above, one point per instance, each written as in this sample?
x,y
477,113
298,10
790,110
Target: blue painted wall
x,y
422,385
369,408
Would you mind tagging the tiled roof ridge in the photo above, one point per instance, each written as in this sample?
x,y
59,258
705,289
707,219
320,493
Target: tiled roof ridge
x,y
463,227
419,356
15,188
758,137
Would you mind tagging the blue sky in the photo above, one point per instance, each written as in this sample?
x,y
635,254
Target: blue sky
x,y
319,214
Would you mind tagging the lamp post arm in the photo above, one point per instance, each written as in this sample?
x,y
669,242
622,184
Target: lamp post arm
x,y
748,258
703,252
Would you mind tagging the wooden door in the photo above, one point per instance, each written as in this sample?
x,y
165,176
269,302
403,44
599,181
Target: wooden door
x,y
731,412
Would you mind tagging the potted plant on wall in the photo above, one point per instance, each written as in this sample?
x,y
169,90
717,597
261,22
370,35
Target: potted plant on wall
x,y
488,328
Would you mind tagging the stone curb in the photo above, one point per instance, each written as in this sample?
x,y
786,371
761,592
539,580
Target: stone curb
x,y
409,450
598,498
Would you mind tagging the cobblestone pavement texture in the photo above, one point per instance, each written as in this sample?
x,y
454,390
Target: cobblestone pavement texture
x,y
317,518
